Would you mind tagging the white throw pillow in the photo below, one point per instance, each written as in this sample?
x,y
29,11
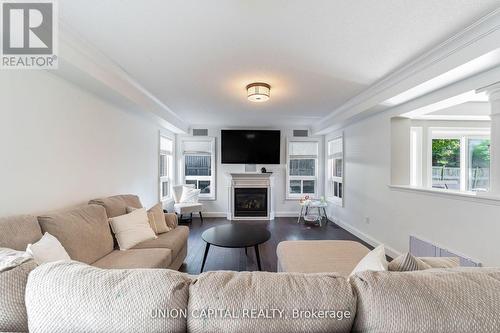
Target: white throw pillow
x,y
47,249
374,261
189,195
132,229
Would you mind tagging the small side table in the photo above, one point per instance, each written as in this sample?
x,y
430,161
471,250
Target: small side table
x,y
307,205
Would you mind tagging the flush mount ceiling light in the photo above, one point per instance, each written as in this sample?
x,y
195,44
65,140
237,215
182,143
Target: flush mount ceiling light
x,y
258,92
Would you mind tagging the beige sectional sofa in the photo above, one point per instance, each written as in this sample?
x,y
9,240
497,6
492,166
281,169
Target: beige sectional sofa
x,y
83,298
86,235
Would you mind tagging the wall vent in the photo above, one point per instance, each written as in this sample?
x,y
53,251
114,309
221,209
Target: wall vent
x,y
200,132
301,133
422,248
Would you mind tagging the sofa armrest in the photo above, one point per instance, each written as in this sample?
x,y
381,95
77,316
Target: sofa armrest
x,y
171,219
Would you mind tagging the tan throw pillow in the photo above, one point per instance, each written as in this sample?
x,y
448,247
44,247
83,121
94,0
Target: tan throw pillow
x,y
441,262
132,229
156,218
406,262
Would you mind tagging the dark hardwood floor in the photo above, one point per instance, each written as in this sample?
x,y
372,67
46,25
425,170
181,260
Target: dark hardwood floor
x,y
282,228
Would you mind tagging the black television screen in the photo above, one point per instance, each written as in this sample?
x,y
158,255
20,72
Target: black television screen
x,y
250,147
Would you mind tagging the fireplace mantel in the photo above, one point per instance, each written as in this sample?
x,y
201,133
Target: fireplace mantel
x,y
251,180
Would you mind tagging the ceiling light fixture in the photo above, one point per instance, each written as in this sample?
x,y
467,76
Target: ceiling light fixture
x,y
258,92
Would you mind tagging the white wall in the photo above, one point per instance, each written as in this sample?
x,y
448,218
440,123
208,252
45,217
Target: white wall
x,y
282,207
61,146
470,228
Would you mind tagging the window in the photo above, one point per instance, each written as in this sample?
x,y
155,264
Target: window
x,y
199,165
165,167
302,168
460,160
335,177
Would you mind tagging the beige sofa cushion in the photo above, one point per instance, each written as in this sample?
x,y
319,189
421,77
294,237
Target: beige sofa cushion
x,y
117,205
13,316
84,232
16,232
429,301
175,240
74,297
139,258
315,256
240,292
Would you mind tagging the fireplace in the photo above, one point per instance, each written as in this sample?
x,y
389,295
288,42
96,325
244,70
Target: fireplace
x,y
250,202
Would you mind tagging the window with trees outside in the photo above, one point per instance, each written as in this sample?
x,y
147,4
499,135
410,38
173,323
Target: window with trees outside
x,y
460,161
335,185
165,167
198,165
302,168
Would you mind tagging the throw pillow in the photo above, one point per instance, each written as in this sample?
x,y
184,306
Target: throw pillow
x,y
189,195
156,218
132,229
406,262
373,261
47,249
441,262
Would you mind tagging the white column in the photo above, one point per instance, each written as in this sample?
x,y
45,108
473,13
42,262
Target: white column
x,y
493,92
400,151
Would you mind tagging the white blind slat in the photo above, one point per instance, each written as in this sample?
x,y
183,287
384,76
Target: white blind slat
x,y
297,148
166,144
197,147
335,146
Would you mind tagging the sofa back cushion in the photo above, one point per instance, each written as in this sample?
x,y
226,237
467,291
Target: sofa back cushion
x,y
13,316
254,299
117,205
446,301
16,232
88,299
84,232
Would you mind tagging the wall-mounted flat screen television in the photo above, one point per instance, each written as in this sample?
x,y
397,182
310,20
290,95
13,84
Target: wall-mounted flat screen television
x,y
250,146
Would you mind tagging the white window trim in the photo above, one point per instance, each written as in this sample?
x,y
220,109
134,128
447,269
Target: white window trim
x,y
213,163
170,168
330,179
298,196
463,134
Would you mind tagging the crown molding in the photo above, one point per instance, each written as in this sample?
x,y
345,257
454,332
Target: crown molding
x,y
84,65
477,39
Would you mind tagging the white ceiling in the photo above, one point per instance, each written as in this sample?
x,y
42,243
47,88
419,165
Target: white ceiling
x,y
198,56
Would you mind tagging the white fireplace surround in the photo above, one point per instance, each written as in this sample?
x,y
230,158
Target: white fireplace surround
x,y
251,180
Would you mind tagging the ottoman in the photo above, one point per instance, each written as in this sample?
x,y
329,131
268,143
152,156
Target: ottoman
x,y
319,256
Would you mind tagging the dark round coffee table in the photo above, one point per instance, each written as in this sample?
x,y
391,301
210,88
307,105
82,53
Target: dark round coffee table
x,y
235,235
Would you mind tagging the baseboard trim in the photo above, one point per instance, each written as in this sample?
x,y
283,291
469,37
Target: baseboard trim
x,y
367,238
213,214
287,214
276,214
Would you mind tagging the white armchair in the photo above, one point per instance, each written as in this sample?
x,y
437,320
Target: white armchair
x,y
186,201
